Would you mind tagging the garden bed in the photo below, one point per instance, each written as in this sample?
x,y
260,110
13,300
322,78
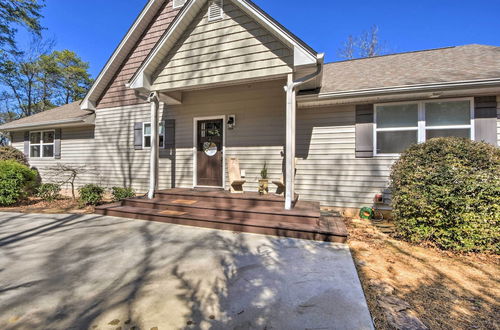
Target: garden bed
x,y
59,206
407,283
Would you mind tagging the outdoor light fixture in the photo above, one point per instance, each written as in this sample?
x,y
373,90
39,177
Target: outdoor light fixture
x,y
231,121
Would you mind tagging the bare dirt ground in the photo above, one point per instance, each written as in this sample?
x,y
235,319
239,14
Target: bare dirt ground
x,y
59,206
429,287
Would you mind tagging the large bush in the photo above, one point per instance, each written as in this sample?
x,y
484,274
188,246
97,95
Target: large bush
x,y
120,193
447,191
11,153
17,181
91,194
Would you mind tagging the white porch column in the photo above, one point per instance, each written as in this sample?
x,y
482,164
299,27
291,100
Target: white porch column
x,y
154,151
290,143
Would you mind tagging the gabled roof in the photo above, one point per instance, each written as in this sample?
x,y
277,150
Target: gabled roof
x,y
460,65
121,52
303,54
64,115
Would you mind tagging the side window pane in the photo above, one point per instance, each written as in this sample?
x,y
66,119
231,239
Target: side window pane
x,y
147,129
434,133
48,151
147,141
402,115
447,113
35,138
395,142
35,151
48,137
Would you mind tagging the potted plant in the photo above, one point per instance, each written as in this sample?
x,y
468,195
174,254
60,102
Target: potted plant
x,y
264,182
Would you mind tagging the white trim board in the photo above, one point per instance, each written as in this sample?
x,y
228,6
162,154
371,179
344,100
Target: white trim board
x,y
195,150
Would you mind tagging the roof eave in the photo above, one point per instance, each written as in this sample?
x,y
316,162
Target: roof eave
x,y
88,120
430,87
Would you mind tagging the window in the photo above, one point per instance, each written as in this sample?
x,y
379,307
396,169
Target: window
x,y
146,142
42,144
399,125
215,10
179,3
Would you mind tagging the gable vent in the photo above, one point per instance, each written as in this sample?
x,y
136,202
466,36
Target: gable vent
x,y
215,10
179,3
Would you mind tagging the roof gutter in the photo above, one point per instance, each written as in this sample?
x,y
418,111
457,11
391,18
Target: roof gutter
x,y
403,89
88,120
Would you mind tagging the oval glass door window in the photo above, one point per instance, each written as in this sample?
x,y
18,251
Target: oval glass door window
x,y
210,149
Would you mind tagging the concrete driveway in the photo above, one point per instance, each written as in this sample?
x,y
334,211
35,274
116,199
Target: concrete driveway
x,y
94,272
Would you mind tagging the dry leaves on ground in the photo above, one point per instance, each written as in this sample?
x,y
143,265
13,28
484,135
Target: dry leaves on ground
x,y
440,289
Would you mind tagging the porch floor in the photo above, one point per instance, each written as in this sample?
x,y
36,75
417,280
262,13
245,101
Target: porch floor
x,y
247,212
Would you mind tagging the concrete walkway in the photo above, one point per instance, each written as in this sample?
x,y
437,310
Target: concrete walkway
x,y
94,272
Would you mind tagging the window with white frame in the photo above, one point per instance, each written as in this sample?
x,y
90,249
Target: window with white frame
x,y
178,3
399,125
146,140
42,144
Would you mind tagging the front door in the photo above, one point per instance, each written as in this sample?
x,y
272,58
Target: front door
x,y
209,152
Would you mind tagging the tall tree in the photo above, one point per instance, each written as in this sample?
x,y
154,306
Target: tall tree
x,y
368,44
15,13
40,79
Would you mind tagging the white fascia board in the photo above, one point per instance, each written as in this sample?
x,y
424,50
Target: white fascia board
x,y
86,121
142,82
406,88
120,54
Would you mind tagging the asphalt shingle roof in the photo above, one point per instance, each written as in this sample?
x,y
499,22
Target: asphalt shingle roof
x,y
461,63
62,113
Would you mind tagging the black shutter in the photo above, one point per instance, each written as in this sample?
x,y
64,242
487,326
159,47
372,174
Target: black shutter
x,y
169,133
485,119
27,144
138,136
57,143
364,130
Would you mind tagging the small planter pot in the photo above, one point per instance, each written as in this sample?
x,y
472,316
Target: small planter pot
x,y
263,186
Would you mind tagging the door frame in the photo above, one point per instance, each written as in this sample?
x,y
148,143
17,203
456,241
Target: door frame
x,y
195,150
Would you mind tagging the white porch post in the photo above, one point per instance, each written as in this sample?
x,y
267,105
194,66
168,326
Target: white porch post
x,y
290,143
154,152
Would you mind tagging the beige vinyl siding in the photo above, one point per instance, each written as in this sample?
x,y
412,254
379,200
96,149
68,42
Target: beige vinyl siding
x,y
233,48
498,120
327,169
77,149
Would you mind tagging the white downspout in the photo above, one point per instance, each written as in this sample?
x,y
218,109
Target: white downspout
x,y
291,116
154,152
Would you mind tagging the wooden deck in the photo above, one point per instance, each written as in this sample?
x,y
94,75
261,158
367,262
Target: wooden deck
x,y
248,212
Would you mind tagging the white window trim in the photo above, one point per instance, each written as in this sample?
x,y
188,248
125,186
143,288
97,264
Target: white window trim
x,y
421,127
216,18
144,135
42,144
178,6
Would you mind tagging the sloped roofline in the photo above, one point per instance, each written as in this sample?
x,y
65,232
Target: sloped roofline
x,y
303,54
121,52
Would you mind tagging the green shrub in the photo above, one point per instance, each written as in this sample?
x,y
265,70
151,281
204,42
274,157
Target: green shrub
x,y
122,193
91,194
11,153
447,191
16,182
49,191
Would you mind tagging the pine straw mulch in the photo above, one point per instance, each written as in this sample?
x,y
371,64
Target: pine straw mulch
x,y
59,206
441,289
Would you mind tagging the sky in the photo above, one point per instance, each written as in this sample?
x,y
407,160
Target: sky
x,y
93,28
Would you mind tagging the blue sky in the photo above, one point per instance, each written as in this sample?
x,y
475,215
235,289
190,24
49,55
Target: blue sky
x,y
93,28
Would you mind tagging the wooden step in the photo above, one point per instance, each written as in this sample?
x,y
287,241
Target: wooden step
x,y
277,228
268,213
223,198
